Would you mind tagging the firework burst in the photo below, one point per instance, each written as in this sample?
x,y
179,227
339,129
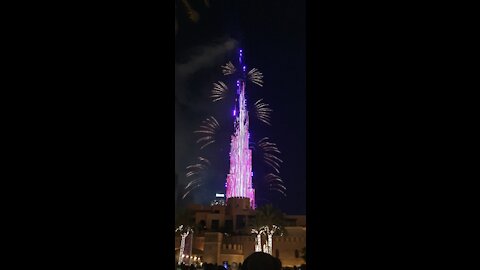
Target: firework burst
x,y
255,76
228,68
275,183
273,178
219,91
195,175
263,111
280,190
208,130
269,150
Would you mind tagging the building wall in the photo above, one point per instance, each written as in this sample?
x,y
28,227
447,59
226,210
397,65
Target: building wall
x,y
216,248
230,258
219,217
199,242
286,247
231,252
212,245
300,220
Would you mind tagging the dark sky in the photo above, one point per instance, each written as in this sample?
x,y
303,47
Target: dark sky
x,y
272,36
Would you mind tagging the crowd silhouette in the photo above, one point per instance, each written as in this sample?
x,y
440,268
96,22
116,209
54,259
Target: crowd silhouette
x,y
256,261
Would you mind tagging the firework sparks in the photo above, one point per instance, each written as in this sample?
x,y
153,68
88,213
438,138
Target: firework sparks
x,y
192,187
204,160
195,170
228,68
271,178
193,182
263,111
269,150
278,190
191,173
219,91
275,183
255,76
208,129
199,166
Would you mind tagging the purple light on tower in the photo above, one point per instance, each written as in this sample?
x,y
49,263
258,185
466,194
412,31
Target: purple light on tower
x,y
239,179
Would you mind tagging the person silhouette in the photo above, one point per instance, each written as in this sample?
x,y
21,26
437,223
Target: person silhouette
x,y
261,261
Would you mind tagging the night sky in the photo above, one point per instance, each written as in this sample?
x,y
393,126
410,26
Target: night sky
x,y
272,36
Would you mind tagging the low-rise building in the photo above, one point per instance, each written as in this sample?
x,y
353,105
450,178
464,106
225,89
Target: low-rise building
x,y
223,234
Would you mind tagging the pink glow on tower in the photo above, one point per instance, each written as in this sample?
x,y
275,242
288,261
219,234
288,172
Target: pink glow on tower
x,y
239,180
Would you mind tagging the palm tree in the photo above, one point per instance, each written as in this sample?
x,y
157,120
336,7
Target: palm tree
x,y
183,226
268,215
184,232
268,221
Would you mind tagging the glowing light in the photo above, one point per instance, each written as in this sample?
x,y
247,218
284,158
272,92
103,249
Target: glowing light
x,y
220,195
219,91
228,69
234,112
258,238
184,232
255,76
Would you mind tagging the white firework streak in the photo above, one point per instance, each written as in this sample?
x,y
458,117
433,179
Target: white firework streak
x,y
272,178
269,149
263,111
273,157
185,195
279,190
216,122
255,76
204,138
209,127
219,91
263,139
194,182
228,68
196,166
204,131
274,185
273,164
195,169
205,145
204,160
191,173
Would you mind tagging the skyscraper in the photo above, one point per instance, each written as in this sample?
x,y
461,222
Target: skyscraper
x,y
239,179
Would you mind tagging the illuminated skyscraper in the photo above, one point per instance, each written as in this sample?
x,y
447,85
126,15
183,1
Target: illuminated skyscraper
x,y
239,180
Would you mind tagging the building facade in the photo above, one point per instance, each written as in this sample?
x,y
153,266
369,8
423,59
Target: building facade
x,y
223,234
